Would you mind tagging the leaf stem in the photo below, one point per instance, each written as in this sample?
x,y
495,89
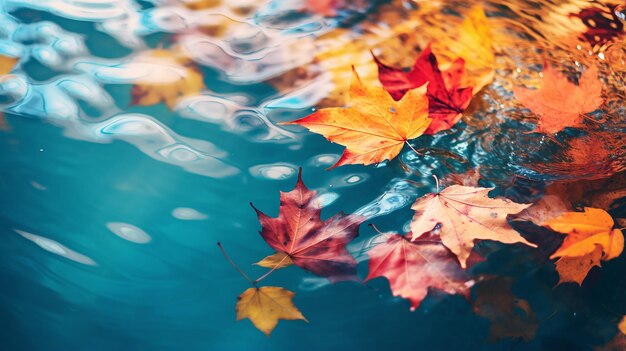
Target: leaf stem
x,y
436,183
235,266
375,228
412,148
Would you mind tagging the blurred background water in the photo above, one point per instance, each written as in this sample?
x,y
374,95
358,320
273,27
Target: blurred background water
x,y
110,209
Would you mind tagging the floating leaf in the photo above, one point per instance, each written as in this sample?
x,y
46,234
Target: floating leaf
x,y
584,231
265,306
375,127
310,243
465,214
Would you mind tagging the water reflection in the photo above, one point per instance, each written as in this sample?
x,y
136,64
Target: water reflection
x,y
129,232
188,214
57,248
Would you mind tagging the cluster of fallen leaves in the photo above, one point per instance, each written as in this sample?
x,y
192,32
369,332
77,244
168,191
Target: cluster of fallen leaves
x,y
378,122
434,255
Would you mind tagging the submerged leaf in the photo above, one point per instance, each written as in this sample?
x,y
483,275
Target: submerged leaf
x,y
413,267
596,155
181,78
375,127
560,103
510,317
265,306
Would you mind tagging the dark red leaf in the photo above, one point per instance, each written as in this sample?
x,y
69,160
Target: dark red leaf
x,y
315,245
447,99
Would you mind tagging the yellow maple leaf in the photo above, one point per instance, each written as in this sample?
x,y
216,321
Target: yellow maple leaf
x,y
277,260
586,229
265,306
374,127
179,78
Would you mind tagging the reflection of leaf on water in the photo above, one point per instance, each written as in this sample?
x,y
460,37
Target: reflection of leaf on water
x,y
510,317
594,156
560,103
181,79
603,25
619,341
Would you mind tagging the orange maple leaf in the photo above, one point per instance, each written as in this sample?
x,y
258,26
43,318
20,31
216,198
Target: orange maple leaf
x,y
374,127
560,103
590,239
465,214
584,231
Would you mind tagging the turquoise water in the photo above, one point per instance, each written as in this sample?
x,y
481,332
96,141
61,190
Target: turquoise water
x,y
110,212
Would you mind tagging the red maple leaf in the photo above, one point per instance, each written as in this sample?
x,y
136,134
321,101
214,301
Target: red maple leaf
x,y
412,267
315,245
447,99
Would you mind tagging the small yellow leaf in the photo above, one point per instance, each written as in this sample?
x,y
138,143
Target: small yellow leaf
x,y
277,260
265,306
622,325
